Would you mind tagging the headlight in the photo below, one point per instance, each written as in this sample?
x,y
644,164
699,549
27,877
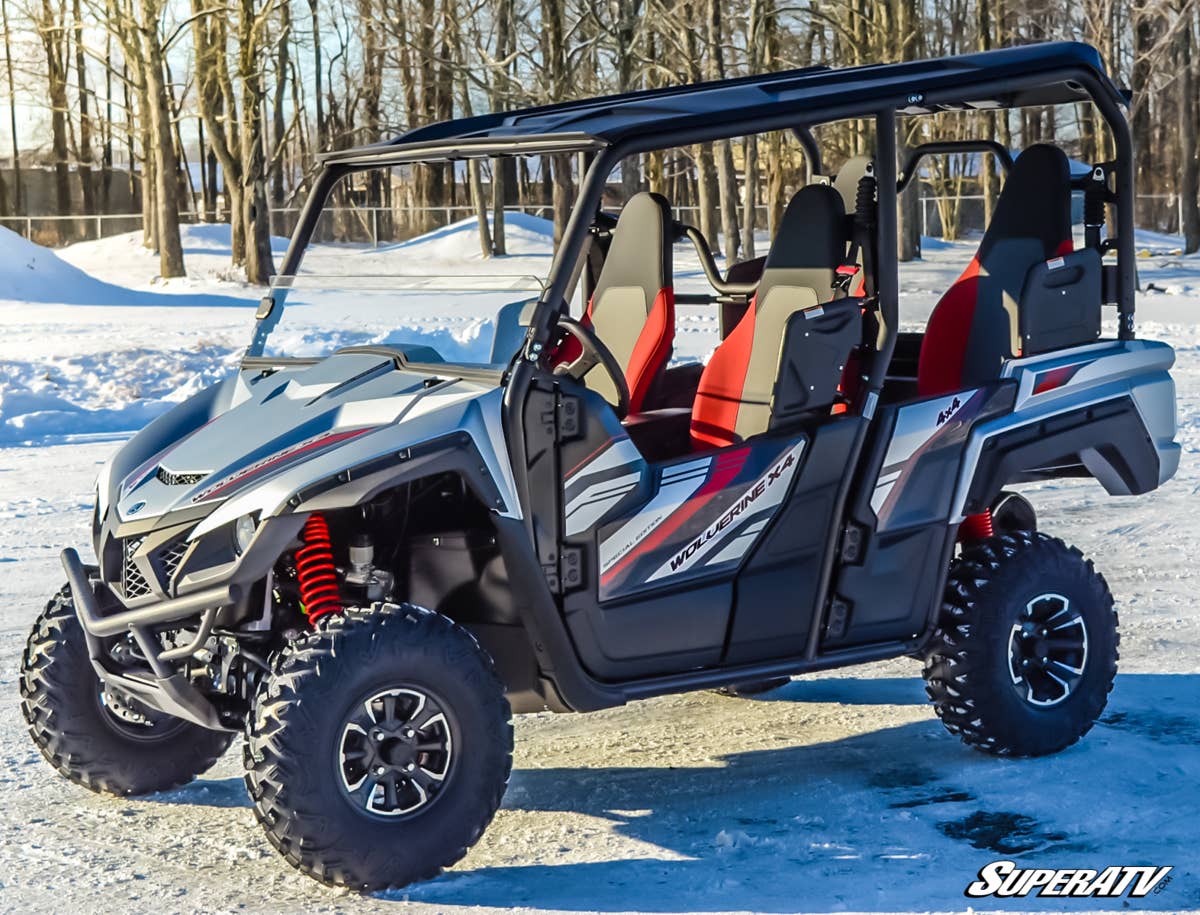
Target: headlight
x,y
244,530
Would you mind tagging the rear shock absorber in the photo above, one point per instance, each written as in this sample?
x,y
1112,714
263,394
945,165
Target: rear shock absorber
x,y
976,527
316,572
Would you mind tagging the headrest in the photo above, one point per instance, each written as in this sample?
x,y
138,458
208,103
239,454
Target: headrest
x,y
1035,202
640,251
812,232
848,177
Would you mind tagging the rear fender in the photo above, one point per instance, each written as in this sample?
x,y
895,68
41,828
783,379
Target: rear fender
x,y
1109,407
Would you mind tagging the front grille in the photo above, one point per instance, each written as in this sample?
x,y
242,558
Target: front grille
x,y
170,556
133,582
171,478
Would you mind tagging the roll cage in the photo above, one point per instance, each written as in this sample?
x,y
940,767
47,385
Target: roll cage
x,y
608,129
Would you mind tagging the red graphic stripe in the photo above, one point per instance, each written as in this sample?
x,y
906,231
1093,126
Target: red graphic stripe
x,y
1055,378
727,467
587,460
241,476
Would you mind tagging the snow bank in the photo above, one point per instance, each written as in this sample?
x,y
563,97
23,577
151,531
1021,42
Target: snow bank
x,y
62,398
30,273
124,260
524,235
81,356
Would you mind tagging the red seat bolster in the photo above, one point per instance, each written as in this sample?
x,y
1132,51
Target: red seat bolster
x,y
944,347
652,349
650,352
719,396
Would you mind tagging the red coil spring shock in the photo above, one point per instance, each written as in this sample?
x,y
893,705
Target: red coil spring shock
x,y
315,570
976,527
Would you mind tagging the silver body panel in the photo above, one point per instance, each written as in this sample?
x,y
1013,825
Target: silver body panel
x,y
1095,374
1047,385
273,435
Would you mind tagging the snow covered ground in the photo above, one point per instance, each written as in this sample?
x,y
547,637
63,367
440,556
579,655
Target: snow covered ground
x,y
837,793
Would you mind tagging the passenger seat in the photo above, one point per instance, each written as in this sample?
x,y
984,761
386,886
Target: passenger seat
x,y
737,388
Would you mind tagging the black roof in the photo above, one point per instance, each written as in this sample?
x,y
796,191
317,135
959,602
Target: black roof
x,y
971,81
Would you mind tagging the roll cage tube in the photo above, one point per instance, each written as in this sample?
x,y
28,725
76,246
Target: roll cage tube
x,y
269,310
812,151
709,264
887,276
948,147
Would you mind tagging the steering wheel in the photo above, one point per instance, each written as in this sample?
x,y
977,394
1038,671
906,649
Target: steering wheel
x,y
593,353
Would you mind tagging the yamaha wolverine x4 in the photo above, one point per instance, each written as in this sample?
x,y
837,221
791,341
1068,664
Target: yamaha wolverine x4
x,y
365,558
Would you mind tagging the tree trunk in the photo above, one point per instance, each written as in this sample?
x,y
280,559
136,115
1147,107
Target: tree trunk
x,y
564,193
256,217
318,74
18,193
656,172
84,155
726,175
708,196
1189,166
237,223
499,190
480,203
166,166
52,34
727,185
749,205
278,125
1143,16
502,168
776,193
107,128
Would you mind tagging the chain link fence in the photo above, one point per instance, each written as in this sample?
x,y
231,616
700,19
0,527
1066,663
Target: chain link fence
x,y
388,225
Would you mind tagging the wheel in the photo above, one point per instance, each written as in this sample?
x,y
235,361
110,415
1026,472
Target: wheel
x,y
380,747
97,738
751,689
1025,652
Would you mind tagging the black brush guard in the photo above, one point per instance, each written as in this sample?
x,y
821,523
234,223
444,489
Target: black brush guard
x,y
162,687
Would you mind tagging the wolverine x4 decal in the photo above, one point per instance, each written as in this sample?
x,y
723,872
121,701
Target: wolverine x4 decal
x,y
704,517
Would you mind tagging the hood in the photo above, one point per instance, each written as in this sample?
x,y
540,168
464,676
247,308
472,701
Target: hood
x,y
284,430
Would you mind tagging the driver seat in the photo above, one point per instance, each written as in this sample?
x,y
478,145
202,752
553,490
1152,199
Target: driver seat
x,y
632,308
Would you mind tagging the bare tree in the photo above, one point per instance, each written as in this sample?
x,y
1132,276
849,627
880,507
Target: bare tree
x,y
18,192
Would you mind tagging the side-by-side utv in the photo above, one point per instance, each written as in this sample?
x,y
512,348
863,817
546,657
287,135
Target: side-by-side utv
x,y
366,560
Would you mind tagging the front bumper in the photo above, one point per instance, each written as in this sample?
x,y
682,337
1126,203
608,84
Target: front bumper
x,y
165,686
162,687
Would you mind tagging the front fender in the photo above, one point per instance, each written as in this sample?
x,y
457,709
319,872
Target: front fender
x,y
462,436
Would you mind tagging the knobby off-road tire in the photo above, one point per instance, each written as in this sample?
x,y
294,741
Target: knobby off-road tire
x,y
62,701
1002,594
333,694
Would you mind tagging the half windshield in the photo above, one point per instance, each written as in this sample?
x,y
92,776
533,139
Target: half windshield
x,y
379,273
